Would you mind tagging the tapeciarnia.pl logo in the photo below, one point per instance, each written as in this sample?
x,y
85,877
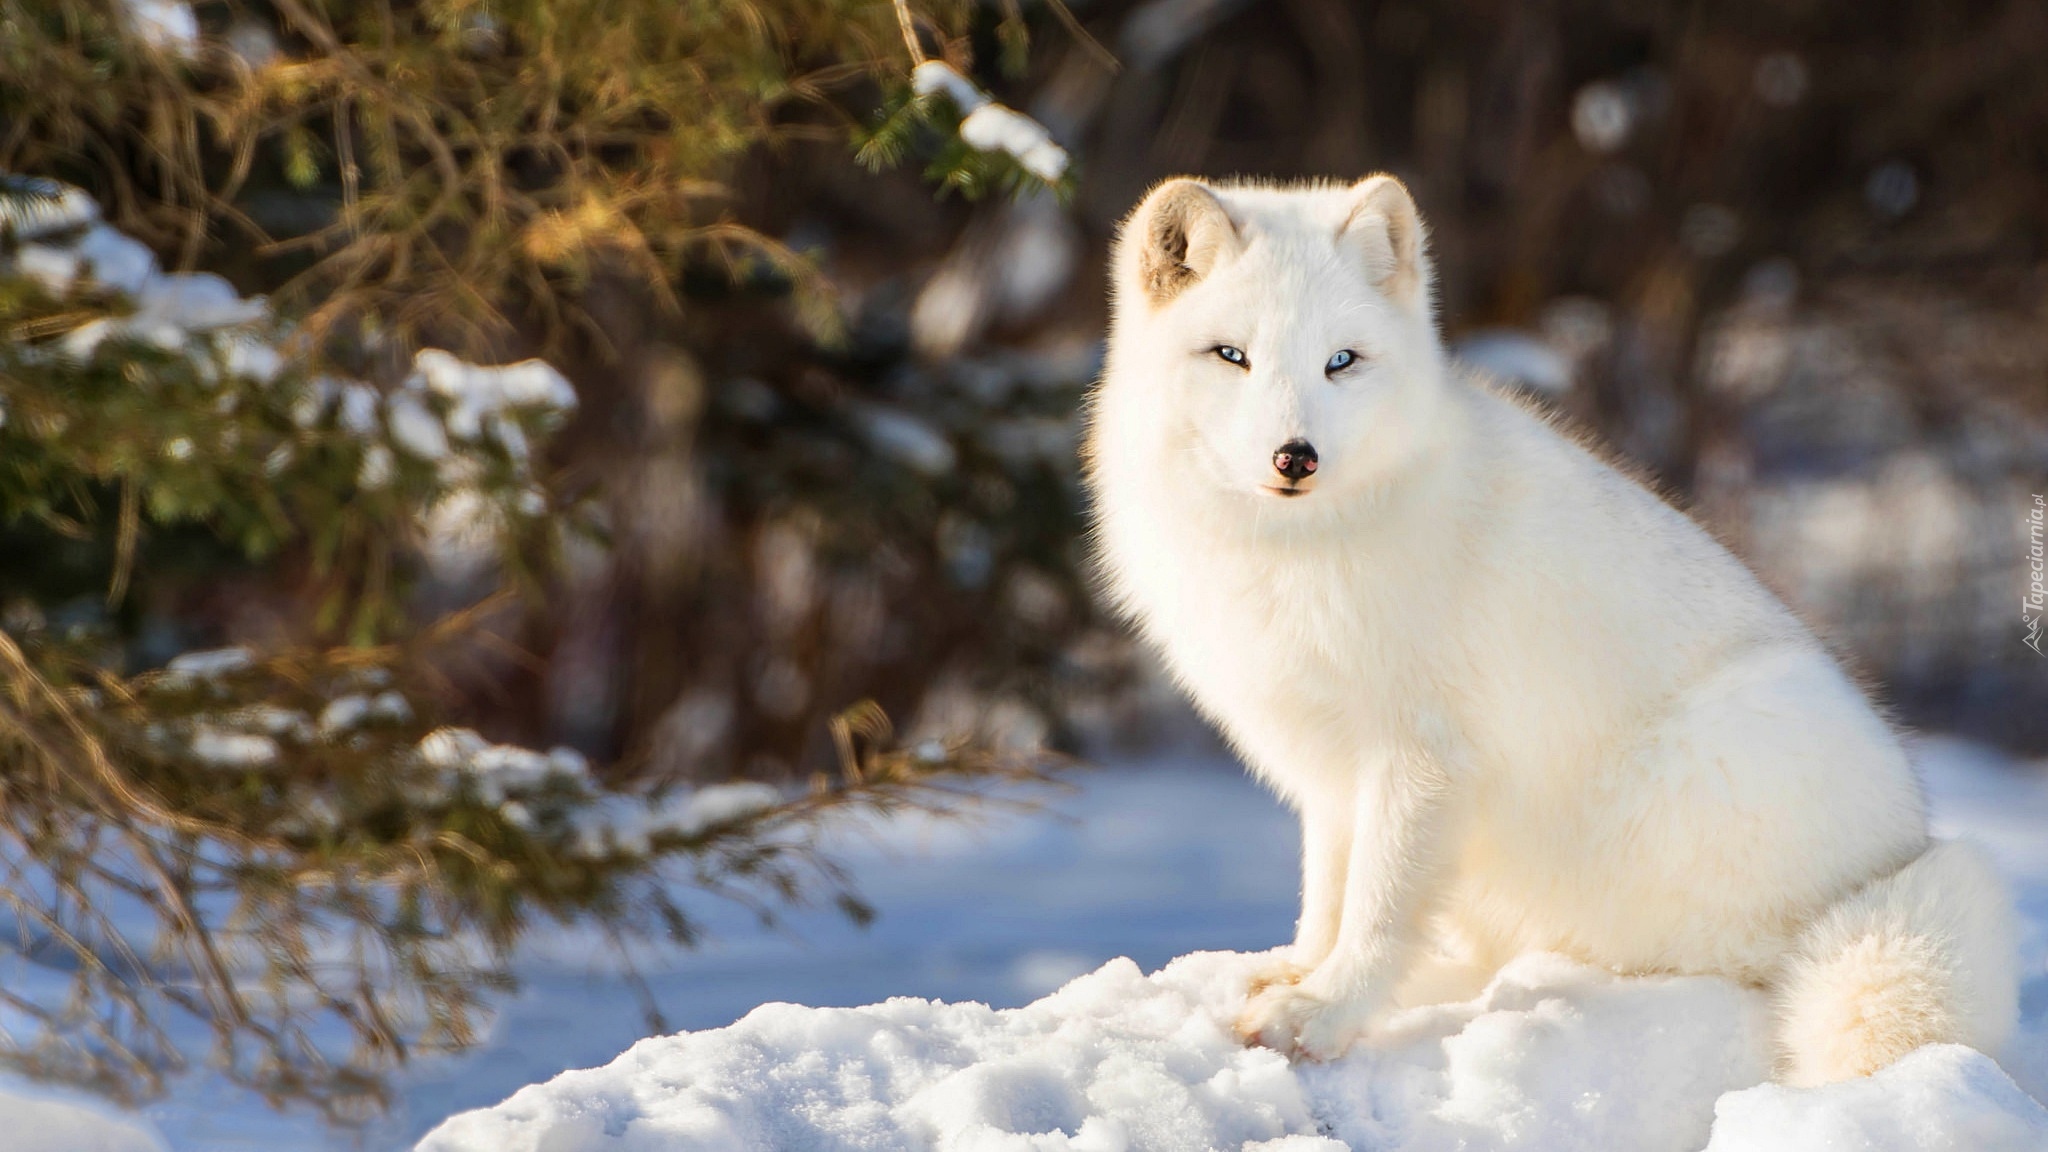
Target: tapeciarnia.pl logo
x,y
2035,604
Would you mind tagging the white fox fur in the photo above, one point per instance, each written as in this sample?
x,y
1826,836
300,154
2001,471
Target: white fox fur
x,y
1519,702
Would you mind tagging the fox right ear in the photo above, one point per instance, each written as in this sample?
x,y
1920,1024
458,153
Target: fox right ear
x,y
1181,232
1384,230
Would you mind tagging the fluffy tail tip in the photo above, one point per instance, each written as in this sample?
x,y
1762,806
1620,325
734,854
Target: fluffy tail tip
x,y
1926,955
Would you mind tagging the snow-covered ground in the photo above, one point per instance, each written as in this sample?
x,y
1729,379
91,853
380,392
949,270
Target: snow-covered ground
x,y
42,1118
1149,861
1554,1056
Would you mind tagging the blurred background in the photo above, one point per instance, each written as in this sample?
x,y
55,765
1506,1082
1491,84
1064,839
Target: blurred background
x,y
1786,256
1789,257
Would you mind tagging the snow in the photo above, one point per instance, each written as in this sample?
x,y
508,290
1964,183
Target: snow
x,y
211,663
1151,860
344,713
224,749
1553,1056
200,301
253,41
251,359
165,24
415,429
1007,268
1036,257
118,261
1142,1056
378,464
40,1118
247,738
440,414
54,208
1119,1060
906,439
498,770
934,77
998,128
66,246
52,268
276,721
1515,355
987,126
950,306
625,825
359,409
461,535
1603,116
609,824
476,392
168,309
1943,1096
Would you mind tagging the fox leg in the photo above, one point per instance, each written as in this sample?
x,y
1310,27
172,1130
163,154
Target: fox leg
x,y
1391,882
1454,964
1325,858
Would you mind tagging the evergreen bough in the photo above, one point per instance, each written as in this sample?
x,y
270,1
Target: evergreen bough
x,y
290,845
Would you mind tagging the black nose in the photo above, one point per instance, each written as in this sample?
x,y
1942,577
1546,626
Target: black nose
x,y
1295,459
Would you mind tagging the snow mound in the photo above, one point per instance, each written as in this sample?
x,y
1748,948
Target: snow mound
x,y
1114,1060
41,1118
1943,1096
1553,1056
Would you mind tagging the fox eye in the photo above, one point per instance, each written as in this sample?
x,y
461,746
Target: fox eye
x,y
1233,355
1340,362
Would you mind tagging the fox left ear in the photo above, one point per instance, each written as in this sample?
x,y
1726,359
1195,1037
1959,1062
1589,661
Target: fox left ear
x,y
1384,230
1179,234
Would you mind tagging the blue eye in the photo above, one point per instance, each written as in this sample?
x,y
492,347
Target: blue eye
x,y
1340,361
1233,355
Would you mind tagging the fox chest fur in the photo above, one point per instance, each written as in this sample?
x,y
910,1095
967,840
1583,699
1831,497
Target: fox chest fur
x,y
1307,665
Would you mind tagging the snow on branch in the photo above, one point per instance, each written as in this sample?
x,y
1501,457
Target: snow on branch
x,y
988,126
165,24
472,424
32,208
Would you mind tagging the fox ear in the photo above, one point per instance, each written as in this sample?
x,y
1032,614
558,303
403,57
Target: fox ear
x,y
1181,233
1384,230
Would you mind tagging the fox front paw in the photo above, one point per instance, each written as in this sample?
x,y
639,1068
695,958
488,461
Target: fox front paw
x,y
1280,968
1295,1020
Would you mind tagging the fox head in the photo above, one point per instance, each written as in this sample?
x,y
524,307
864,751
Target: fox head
x,y
1278,345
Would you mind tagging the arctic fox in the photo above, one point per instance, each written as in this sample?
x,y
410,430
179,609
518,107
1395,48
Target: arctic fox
x,y
1518,701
